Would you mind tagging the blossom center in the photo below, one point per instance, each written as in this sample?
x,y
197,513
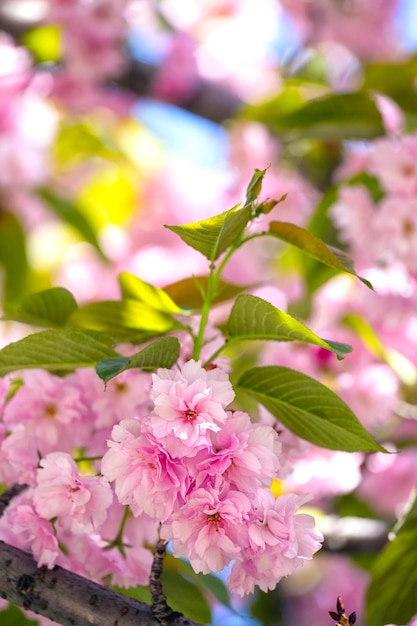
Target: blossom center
x,y
215,520
190,414
50,410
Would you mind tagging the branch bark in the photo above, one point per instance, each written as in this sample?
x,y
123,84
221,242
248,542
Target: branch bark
x,y
209,99
68,598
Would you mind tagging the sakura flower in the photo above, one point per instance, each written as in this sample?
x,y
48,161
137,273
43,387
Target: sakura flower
x,y
394,162
396,230
79,502
19,457
209,529
245,454
40,533
54,416
188,404
279,542
146,477
22,527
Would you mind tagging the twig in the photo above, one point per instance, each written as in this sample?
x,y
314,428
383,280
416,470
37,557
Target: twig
x,y
160,609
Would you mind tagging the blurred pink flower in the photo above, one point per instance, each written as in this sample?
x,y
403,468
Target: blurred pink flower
x,y
57,416
389,480
393,161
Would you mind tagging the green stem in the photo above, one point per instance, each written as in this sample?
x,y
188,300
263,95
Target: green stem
x,y
118,541
212,286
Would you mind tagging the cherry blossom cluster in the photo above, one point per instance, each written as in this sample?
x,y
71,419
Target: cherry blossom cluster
x,y
181,463
204,473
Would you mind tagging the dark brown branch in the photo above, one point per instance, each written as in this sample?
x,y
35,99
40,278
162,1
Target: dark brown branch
x,y
160,609
7,496
208,100
67,598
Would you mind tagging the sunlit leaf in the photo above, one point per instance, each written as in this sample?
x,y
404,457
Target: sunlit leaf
x,y
57,350
109,196
124,319
136,288
214,235
401,365
307,408
163,352
315,247
51,307
69,212
254,318
44,42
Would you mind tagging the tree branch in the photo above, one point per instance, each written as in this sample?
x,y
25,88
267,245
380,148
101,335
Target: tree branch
x,y
68,598
209,99
353,535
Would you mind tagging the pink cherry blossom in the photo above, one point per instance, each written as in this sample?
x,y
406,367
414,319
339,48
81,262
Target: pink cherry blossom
x,y
279,542
22,527
389,480
393,161
53,417
188,405
146,477
246,455
209,529
79,502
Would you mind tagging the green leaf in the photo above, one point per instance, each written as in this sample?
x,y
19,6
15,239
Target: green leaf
x,y
214,235
206,582
254,318
184,596
56,350
12,256
315,247
334,116
137,289
69,212
187,293
13,616
255,186
124,319
371,183
163,352
307,408
391,596
51,307
396,79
